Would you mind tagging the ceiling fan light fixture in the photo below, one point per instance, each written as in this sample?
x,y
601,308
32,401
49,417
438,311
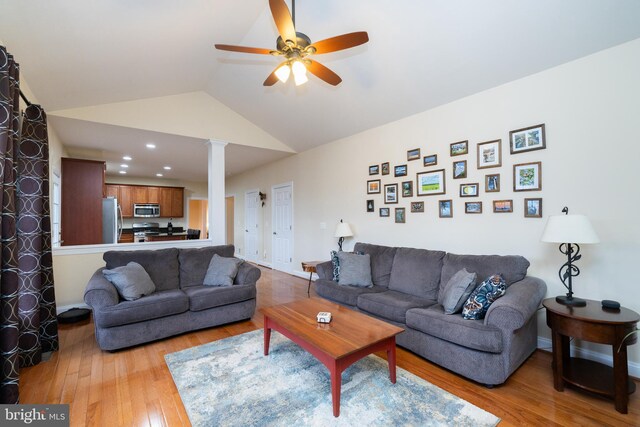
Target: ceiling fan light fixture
x,y
283,72
299,73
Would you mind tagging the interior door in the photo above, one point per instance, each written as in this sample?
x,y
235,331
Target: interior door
x,y
282,239
251,204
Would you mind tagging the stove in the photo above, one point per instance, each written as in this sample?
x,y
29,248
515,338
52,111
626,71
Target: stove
x,y
143,229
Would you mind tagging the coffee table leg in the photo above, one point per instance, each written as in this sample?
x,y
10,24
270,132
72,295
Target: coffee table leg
x,y
391,358
336,385
267,335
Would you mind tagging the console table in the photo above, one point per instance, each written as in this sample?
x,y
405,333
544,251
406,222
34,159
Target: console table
x,y
595,324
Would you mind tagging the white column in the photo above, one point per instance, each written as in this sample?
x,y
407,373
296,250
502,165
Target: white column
x,y
217,220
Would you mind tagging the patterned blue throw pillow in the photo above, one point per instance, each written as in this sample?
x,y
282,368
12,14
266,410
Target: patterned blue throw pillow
x,y
483,296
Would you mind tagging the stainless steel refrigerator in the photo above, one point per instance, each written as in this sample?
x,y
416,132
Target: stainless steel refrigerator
x,y
111,220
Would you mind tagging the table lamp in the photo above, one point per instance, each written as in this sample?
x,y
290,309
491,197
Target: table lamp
x,y
343,230
569,231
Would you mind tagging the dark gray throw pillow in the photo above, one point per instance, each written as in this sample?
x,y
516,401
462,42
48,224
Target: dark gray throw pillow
x,y
457,291
355,270
222,271
132,281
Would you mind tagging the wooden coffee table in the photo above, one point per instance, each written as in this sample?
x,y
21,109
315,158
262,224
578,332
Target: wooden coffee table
x,y
348,338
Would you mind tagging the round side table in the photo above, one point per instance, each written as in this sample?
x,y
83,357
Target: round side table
x,y
595,324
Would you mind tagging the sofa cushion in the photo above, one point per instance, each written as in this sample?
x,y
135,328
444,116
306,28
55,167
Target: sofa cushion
x,y
162,265
355,270
131,281
381,261
513,268
195,261
158,304
204,297
416,272
221,271
391,305
472,334
347,295
483,296
456,291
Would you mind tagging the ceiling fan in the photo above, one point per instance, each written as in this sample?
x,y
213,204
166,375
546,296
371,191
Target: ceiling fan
x,y
296,48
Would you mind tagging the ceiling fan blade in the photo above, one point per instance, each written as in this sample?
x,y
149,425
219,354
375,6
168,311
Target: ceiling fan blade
x,y
323,72
282,18
344,41
244,49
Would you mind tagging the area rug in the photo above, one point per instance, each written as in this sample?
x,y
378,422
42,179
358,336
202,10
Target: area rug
x,y
231,383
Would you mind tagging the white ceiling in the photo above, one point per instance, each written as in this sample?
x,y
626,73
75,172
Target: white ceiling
x,y
421,54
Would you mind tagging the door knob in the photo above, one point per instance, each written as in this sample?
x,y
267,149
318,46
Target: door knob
x,y
275,233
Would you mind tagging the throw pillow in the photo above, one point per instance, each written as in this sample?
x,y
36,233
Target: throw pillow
x,y
355,270
457,290
132,281
222,271
483,296
335,263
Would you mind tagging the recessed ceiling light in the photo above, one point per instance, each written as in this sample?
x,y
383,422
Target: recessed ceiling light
x,y
124,166
151,146
123,172
127,158
167,168
158,174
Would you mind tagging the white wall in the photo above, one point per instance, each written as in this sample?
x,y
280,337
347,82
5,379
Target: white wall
x,y
590,108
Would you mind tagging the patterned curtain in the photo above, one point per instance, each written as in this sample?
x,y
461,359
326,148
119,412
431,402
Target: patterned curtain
x,y
28,324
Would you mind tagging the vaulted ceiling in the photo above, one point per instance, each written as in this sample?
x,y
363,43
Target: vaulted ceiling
x,y
421,54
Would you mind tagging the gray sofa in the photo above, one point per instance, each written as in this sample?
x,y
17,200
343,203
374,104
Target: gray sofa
x,y
405,292
180,303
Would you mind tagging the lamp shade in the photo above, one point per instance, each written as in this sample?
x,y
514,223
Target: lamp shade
x,y
343,230
569,229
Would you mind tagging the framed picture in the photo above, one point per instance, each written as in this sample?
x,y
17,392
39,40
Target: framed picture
x,y
407,189
374,170
384,212
527,139
400,215
502,206
469,190
533,208
417,206
391,193
527,176
460,169
459,148
430,183
492,183
445,208
430,160
385,168
473,207
413,154
400,170
490,154
370,207
373,186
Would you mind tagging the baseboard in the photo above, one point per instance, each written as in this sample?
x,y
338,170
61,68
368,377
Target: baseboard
x,y
634,368
63,308
263,263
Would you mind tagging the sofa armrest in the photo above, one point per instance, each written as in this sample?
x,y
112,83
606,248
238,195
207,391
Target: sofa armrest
x,y
521,301
100,292
325,270
248,274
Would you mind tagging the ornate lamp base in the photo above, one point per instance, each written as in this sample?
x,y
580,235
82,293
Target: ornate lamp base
x,y
574,302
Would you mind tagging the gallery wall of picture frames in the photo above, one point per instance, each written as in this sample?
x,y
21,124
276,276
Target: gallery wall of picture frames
x,y
431,178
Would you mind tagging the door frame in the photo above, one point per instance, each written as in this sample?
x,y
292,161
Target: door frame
x,y
273,215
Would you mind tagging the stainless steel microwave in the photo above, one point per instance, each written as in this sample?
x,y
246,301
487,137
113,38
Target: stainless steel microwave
x,y
146,210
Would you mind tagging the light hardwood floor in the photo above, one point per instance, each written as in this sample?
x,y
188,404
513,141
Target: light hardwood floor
x,y
133,387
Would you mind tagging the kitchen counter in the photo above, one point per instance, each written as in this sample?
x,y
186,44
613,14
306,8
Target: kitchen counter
x,y
162,237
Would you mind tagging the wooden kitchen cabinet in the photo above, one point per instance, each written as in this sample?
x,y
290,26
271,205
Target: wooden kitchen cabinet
x,y
140,194
111,191
83,188
170,199
153,194
125,199
177,202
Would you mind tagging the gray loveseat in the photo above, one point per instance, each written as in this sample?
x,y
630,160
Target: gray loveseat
x,y
180,303
405,292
